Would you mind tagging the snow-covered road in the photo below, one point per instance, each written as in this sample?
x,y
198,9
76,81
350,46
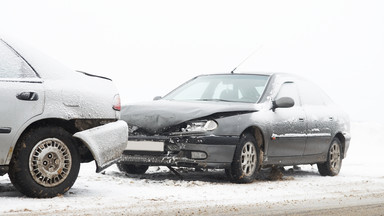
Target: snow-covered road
x,y
160,192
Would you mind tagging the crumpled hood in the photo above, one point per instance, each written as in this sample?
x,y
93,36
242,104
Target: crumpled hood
x,y
157,116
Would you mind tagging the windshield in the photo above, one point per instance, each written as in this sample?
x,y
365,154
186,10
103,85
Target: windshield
x,y
244,88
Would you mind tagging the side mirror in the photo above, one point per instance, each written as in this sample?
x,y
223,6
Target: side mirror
x,y
284,102
157,98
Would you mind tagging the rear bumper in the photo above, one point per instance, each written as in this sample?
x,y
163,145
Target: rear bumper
x,y
182,151
106,142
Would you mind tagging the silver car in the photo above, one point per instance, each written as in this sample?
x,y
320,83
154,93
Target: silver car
x,y
53,118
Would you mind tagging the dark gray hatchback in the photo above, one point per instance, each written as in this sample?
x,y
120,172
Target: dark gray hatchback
x,y
238,122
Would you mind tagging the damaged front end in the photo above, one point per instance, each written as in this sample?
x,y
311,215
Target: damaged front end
x,y
106,142
190,144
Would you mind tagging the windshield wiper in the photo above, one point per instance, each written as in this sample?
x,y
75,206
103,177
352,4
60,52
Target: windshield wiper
x,y
222,100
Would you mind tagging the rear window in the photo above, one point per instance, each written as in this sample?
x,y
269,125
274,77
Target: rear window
x,y
12,66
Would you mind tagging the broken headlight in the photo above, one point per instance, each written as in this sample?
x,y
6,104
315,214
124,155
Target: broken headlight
x,y
200,126
132,129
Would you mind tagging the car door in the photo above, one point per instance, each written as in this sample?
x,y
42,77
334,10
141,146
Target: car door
x,y
320,118
288,125
21,98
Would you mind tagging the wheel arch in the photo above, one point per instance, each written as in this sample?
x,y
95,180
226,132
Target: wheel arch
x,y
257,133
341,137
68,125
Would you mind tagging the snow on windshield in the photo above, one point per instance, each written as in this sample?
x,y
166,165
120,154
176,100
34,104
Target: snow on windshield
x,y
245,88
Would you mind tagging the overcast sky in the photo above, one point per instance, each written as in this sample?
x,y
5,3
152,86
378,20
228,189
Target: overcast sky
x,y
150,47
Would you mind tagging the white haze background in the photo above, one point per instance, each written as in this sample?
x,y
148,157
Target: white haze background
x,y
149,47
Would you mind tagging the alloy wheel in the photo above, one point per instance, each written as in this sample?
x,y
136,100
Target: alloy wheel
x,y
50,162
334,156
248,158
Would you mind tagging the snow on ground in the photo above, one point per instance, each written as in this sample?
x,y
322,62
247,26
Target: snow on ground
x,y
160,192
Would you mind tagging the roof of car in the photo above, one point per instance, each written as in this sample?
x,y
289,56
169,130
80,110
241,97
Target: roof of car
x,y
253,73
242,73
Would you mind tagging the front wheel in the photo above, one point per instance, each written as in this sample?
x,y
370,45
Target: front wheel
x,y
245,164
45,162
333,164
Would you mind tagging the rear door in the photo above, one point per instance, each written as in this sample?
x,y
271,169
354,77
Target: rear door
x,y
320,118
21,97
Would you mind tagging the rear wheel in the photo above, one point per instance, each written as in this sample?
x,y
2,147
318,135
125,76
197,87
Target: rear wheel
x,y
132,169
45,162
245,164
333,164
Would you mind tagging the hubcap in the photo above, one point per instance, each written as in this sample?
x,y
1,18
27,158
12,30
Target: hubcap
x,y
248,158
50,162
334,157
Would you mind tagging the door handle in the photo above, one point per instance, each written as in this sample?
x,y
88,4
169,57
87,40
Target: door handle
x,y
330,118
28,96
301,119
5,130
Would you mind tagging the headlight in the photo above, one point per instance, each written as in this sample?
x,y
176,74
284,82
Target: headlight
x,y
200,126
132,129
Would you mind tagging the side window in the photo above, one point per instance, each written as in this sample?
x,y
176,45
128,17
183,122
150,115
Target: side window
x,y
313,95
13,66
289,89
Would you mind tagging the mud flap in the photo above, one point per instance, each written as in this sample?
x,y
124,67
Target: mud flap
x,y
106,142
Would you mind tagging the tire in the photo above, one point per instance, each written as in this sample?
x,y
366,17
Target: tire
x,y
132,169
333,164
45,162
246,163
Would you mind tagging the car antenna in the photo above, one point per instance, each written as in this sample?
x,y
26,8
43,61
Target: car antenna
x,y
254,51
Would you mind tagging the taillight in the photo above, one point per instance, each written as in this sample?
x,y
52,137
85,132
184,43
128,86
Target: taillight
x,y
116,103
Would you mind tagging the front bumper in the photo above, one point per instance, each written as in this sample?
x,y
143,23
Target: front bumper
x,y
181,151
106,142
